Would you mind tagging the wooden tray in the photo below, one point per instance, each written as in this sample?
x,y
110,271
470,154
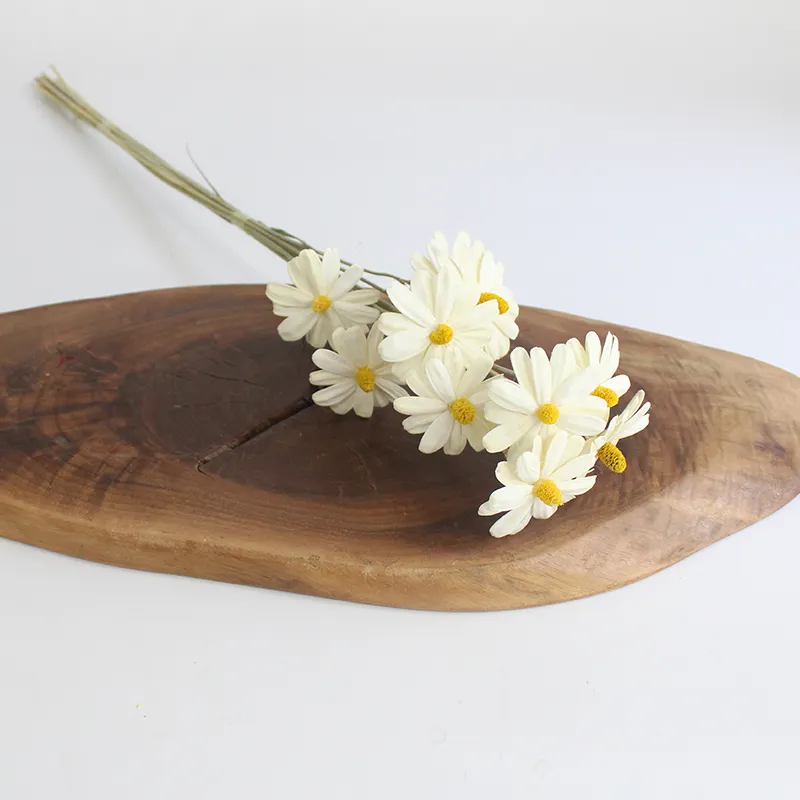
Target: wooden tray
x,y
172,431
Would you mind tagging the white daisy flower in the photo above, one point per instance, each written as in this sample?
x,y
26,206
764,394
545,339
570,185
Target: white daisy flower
x,y
437,316
609,386
552,473
322,299
448,407
476,264
354,374
635,418
550,396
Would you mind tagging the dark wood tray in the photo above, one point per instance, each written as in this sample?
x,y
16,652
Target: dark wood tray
x,y
172,431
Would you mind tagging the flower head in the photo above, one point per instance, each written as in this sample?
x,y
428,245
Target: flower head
x,y
355,376
606,359
438,316
634,418
540,480
448,406
476,265
321,299
551,395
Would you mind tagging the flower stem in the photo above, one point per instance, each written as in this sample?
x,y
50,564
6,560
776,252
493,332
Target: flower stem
x,y
279,241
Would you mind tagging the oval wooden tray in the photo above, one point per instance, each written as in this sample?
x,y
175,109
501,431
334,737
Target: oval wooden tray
x,y
172,431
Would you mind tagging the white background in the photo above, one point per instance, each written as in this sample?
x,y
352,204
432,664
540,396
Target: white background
x,y
631,161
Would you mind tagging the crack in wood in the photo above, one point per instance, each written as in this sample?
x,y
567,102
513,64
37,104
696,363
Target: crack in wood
x,y
253,432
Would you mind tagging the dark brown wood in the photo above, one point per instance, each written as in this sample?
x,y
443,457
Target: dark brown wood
x,y
172,431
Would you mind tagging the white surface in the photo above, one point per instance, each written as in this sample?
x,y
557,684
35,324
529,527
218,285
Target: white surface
x,y
636,162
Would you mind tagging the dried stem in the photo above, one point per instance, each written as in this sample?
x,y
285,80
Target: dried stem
x,y
280,242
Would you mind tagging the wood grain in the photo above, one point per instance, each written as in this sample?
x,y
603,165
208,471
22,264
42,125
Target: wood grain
x,y
172,431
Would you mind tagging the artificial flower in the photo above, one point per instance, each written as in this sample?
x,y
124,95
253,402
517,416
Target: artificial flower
x,y
438,316
321,299
448,406
355,376
610,386
540,480
550,395
634,418
476,264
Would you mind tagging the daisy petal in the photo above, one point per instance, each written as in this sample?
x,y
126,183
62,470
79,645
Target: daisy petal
x,y
512,522
334,394
330,268
542,376
401,346
457,441
288,296
345,282
508,497
437,434
512,396
502,437
410,305
419,405
543,511
573,469
529,468
301,272
364,403
297,325
440,381
333,362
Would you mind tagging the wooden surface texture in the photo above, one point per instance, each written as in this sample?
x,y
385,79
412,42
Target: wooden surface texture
x,y
172,431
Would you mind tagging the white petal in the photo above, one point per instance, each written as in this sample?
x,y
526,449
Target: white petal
x,y
401,346
322,378
440,381
529,467
301,272
562,365
297,325
333,362
392,389
334,394
504,472
410,305
321,332
512,522
619,384
353,312
374,339
446,283
512,396
478,318
457,441
363,403
437,434
553,452
578,467
542,376
582,383
473,377
502,437
508,497
392,322
289,296
352,345
419,405
593,347
543,511
330,268
521,363
475,433
582,424
419,423
345,282
577,486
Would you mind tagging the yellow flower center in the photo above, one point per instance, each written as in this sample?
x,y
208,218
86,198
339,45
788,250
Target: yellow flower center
x,y
612,457
547,491
320,303
463,411
609,395
365,378
502,303
442,335
548,413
